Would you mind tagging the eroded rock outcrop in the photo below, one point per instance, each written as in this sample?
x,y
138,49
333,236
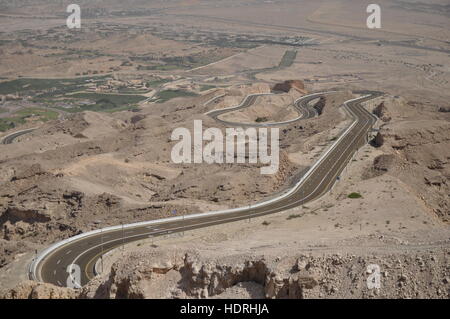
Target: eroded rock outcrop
x,y
33,170
421,153
410,134
383,163
169,272
320,105
378,140
202,280
37,290
193,277
381,112
177,273
286,86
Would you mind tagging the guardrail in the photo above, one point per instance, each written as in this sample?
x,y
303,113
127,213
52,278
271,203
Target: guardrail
x,y
236,106
18,133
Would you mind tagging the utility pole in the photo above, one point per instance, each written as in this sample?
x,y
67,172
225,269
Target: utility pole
x,y
123,238
183,221
101,256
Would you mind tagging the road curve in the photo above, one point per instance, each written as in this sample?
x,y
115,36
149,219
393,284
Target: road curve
x,y
54,264
11,137
301,105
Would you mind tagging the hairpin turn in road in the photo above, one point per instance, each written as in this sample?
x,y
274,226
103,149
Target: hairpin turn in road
x,y
54,264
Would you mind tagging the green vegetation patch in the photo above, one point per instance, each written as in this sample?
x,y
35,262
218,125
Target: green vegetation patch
x,y
288,59
106,102
20,117
180,62
43,114
10,122
354,195
39,85
167,95
114,98
131,91
159,67
157,82
261,119
206,87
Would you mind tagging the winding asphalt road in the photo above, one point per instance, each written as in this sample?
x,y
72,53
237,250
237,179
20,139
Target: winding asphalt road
x,y
54,264
11,137
302,105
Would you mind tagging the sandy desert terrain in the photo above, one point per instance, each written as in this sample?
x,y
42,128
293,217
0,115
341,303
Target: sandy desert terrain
x,y
104,100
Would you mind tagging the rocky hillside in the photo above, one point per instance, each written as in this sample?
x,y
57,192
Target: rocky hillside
x,y
417,151
162,273
35,290
91,170
381,112
320,105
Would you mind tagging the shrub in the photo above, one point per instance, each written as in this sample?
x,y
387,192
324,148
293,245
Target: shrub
x,y
261,119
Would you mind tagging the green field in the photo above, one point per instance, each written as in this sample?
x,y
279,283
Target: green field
x,y
155,83
167,95
182,62
58,86
9,123
67,89
44,115
131,91
288,59
206,87
21,116
106,102
162,67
